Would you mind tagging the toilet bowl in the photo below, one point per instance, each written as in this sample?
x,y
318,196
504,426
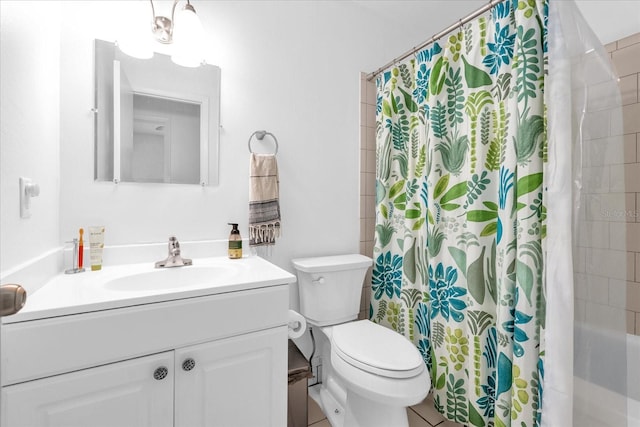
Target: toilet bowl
x,y
369,374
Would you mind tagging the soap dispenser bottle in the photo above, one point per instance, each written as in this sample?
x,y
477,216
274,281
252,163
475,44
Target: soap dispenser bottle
x,y
235,242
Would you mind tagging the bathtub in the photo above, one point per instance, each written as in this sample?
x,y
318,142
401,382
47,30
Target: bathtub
x,y
606,396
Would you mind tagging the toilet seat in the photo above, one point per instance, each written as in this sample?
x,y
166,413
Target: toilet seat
x,y
376,349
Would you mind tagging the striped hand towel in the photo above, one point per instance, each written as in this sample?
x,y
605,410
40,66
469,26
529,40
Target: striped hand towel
x,y
264,205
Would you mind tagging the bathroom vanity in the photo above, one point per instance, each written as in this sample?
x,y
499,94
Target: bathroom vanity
x,y
134,346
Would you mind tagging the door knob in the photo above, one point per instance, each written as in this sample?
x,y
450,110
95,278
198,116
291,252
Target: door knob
x,y
12,299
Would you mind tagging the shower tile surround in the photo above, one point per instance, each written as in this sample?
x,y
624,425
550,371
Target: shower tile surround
x,y
367,180
609,234
605,234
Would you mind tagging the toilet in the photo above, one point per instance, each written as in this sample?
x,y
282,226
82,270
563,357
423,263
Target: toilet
x,y
369,373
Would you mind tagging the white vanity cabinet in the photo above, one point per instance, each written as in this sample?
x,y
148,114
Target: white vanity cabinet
x,y
225,357
118,394
233,382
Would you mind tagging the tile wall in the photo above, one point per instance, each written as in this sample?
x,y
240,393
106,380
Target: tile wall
x,y
367,179
625,54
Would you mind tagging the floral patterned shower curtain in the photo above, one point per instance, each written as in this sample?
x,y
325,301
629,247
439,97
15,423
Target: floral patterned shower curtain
x,y
460,219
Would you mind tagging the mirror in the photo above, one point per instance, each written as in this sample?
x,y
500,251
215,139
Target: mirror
x,y
155,121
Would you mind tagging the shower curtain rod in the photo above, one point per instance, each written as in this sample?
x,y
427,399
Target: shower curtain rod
x,y
437,36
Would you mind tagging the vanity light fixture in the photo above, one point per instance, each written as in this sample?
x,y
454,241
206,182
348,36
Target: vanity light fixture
x,y
183,30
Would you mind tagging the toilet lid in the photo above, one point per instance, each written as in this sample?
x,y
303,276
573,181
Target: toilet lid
x,y
376,349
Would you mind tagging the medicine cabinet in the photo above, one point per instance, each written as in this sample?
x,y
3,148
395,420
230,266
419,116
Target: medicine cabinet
x,y
155,121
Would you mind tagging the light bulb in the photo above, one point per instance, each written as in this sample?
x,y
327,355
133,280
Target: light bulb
x,y
188,35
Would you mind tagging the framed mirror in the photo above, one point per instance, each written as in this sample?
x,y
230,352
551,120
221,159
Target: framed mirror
x,y
155,121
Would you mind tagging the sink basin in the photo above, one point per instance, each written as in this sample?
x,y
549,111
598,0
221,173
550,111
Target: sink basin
x,y
171,278
133,284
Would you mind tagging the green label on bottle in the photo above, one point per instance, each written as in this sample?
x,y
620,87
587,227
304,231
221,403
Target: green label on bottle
x,y
235,244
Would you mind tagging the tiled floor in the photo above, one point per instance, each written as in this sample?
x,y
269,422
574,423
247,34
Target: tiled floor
x,y
420,415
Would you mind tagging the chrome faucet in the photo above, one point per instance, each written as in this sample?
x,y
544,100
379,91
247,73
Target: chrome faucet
x,y
174,259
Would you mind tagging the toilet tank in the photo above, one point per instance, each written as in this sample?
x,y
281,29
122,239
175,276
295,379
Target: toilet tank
x,y
330,287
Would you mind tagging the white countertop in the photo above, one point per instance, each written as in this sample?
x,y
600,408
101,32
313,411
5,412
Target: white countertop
x,y
67,294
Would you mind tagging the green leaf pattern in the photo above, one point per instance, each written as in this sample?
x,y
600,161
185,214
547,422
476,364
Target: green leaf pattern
x,y
461,144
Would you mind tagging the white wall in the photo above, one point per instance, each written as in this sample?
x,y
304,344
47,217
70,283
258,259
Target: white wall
x,y
290,67
29,128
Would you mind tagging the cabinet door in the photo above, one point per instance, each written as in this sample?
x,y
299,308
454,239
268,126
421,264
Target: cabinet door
x,y
234,382
120,394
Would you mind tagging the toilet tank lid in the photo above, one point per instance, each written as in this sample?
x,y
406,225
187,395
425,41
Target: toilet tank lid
x,y
331,263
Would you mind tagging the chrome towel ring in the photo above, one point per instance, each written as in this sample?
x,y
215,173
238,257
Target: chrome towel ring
x,y
260,134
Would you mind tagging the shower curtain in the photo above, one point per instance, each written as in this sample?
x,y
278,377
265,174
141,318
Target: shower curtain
x,y
464,182
585,129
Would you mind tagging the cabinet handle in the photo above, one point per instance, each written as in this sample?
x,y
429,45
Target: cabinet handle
x,y
188,364
160,373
